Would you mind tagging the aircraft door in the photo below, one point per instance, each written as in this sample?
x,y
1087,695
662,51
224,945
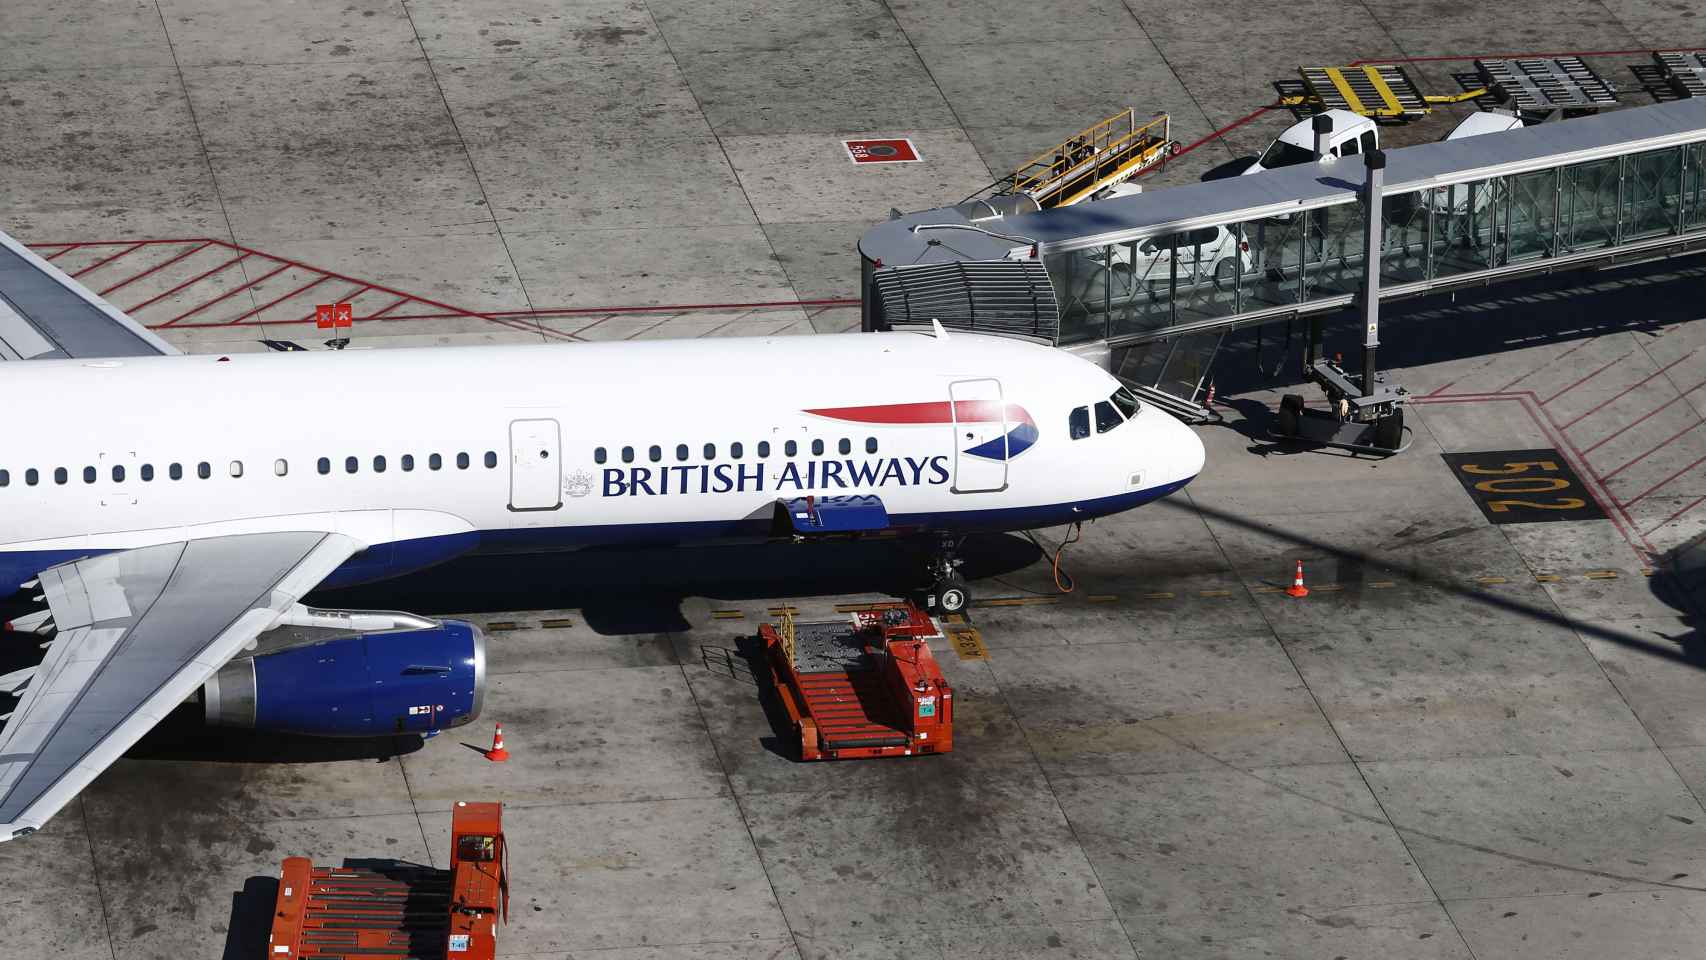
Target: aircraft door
x,y
980,436
535,465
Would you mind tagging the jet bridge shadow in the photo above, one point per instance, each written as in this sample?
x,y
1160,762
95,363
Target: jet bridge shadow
x,y
640,590
1477,322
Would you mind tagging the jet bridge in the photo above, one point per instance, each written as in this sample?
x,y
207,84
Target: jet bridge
x,y
1150,284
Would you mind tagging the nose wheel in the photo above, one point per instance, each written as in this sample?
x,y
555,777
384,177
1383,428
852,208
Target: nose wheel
x,y
947,592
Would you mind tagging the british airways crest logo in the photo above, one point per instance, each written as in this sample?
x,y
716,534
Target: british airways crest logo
x,y
996,431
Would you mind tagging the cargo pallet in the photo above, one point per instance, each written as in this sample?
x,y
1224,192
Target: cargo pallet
x,y
401,911
863,686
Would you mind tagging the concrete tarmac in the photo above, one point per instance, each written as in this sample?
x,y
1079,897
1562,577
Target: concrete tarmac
x,y
1471,740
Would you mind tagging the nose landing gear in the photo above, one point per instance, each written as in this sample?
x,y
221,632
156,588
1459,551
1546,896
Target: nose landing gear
x,y
947,592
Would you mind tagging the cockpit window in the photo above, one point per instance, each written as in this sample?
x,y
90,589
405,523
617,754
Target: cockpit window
x,y
1079,423
1126,403
1106,417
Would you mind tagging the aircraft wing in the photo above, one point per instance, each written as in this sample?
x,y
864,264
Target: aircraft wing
x,y
44,314
138,631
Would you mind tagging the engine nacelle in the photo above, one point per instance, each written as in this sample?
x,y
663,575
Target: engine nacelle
x,y
374,684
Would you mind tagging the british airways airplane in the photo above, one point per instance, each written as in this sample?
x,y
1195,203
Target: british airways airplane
x,y
166,513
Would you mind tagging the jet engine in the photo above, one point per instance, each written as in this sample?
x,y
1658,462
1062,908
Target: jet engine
x,y
329,673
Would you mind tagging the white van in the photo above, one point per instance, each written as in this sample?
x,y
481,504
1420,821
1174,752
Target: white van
x,y
1352,134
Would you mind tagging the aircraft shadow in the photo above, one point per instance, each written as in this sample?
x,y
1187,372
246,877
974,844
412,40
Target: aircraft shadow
x,y
639,590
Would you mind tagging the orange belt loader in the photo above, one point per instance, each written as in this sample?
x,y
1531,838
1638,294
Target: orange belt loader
x,y
863,686
404,912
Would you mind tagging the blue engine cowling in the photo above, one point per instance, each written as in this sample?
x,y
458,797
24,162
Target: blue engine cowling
x,y
376,684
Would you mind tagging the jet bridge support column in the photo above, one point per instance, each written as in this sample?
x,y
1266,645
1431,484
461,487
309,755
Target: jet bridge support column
x,y
1364,414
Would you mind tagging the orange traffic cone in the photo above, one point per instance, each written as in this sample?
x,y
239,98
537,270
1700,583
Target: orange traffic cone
x,y
1297,588
498,754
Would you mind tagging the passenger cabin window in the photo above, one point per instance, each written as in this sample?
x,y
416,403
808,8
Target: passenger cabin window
x,y
324,465
1079,423
1107,417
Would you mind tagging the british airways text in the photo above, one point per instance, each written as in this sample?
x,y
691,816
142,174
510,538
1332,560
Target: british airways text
x,y
787,477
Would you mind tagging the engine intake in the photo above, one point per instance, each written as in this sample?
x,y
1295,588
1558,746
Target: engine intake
x,y
419,680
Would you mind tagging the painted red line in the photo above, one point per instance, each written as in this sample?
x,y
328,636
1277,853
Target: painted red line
x,y
98,264
68,248
227,294
1584,379
275,302
1697,501
1644,417
359,290
193,280
1519,56
1544,365
1654,449
1620,517
1643,494
1659,372
379,313
159,266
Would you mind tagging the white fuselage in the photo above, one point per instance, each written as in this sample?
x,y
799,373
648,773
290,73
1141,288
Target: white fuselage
x,y
441,451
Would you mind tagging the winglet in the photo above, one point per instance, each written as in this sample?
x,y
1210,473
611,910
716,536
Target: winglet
x,y
937,325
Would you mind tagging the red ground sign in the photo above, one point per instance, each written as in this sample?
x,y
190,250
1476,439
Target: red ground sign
x,y
329,315
882,151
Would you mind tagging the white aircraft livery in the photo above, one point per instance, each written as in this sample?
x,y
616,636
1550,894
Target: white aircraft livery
x,y
162,515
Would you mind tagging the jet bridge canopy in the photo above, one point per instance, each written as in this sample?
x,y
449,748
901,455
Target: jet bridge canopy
x,y
1198,260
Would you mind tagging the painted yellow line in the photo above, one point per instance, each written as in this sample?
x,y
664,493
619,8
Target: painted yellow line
x,y
556,623
728,615
502,625
1102,598
968,644
1159,595
1016,601
1601,574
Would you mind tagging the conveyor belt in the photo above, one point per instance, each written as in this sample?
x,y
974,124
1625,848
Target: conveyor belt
x,y
1547,83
